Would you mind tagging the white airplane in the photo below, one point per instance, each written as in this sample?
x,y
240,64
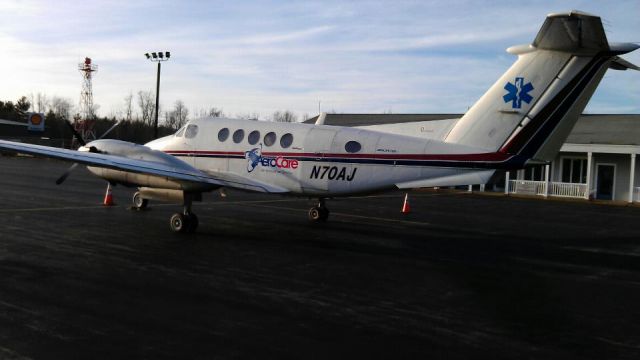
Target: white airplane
x,y
524,118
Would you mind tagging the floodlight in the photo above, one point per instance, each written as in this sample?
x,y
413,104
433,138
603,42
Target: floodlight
x,y
168,54
155,56
147,55
161,55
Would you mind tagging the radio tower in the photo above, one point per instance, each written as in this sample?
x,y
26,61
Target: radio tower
x,y
85,122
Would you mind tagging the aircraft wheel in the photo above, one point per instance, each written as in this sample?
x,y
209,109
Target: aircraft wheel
x,y
324,213
192,223
138,202
318,214
178,223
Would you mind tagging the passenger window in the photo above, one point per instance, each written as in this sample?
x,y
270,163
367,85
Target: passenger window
x,y
352,147
270,138
254,137
223,134
286,140
238,135
181,131
191,132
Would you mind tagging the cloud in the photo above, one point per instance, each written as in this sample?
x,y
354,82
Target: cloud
x,y
262,56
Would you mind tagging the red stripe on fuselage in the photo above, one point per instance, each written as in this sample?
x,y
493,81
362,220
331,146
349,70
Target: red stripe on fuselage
x,y
492,157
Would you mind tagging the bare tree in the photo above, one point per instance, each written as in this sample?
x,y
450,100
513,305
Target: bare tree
x,y
248,116
128,106
215,112
147,106
62,107
170,120
41,103
178,117
284,116
181,113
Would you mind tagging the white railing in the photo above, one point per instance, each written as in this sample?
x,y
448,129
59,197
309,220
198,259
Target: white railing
x,y
568,190
559,189
527,187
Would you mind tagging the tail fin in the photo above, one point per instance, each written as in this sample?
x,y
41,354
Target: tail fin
x,y
532,108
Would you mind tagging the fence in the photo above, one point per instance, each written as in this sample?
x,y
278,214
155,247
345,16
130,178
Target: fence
x,y
559,189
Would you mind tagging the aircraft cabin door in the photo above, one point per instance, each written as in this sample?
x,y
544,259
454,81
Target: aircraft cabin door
x,y
317,144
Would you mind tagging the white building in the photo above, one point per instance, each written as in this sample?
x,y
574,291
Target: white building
x,y
598,161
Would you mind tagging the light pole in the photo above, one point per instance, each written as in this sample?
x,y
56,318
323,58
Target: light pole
x,y
157,57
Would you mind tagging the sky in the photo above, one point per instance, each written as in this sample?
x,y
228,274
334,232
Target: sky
x,y
257,57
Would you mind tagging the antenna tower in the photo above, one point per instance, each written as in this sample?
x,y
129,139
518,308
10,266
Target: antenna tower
x,y
85,124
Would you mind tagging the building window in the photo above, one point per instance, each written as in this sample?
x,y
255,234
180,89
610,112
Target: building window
x,y
238,135
270,138
223,134
286,140
254,137
534,173
574,170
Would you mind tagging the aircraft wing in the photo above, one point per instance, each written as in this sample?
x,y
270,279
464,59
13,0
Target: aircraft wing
x,y
184,173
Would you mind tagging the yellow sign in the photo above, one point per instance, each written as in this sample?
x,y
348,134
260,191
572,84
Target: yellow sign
x,y
35,122
36,119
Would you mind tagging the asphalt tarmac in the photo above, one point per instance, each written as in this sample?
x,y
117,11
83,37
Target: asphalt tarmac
x,y
463,276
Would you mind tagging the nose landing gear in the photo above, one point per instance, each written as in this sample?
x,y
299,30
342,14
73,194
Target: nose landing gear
x,y
319,213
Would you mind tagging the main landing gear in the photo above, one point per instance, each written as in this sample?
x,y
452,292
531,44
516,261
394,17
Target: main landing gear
x,y
184,222
319,213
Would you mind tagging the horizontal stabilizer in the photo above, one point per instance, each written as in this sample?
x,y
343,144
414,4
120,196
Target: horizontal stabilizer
x,y
619,63
575,32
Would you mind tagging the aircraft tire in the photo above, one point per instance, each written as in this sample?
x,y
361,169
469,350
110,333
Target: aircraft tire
x,y
318,214
324,214
178,223
138,202
192,223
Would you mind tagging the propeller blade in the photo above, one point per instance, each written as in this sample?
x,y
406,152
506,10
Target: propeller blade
x,y
108,131
75,133
64,176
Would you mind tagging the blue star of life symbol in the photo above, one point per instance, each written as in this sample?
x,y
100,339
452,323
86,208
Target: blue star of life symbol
x,y
518,92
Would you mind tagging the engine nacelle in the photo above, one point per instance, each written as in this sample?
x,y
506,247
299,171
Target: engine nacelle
x,y
141,152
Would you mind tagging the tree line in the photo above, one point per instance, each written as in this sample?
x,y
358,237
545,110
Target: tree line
x,y
136,120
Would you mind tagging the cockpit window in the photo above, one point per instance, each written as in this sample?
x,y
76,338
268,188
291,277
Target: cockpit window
x,y
191,132
180,132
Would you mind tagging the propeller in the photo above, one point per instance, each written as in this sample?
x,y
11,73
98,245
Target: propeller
x,y
80,140
75,133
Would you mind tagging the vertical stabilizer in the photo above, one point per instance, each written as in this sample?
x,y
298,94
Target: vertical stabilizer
x,y
532,108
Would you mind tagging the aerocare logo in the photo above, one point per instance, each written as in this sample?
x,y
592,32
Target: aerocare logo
x,y
254,158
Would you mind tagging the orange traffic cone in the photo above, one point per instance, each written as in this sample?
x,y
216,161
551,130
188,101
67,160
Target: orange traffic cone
x,y
405,207
108,198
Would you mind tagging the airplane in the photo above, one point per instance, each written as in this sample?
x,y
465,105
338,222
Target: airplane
x,y
524,118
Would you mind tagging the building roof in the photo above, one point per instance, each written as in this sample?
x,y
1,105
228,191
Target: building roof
x,y
610,129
